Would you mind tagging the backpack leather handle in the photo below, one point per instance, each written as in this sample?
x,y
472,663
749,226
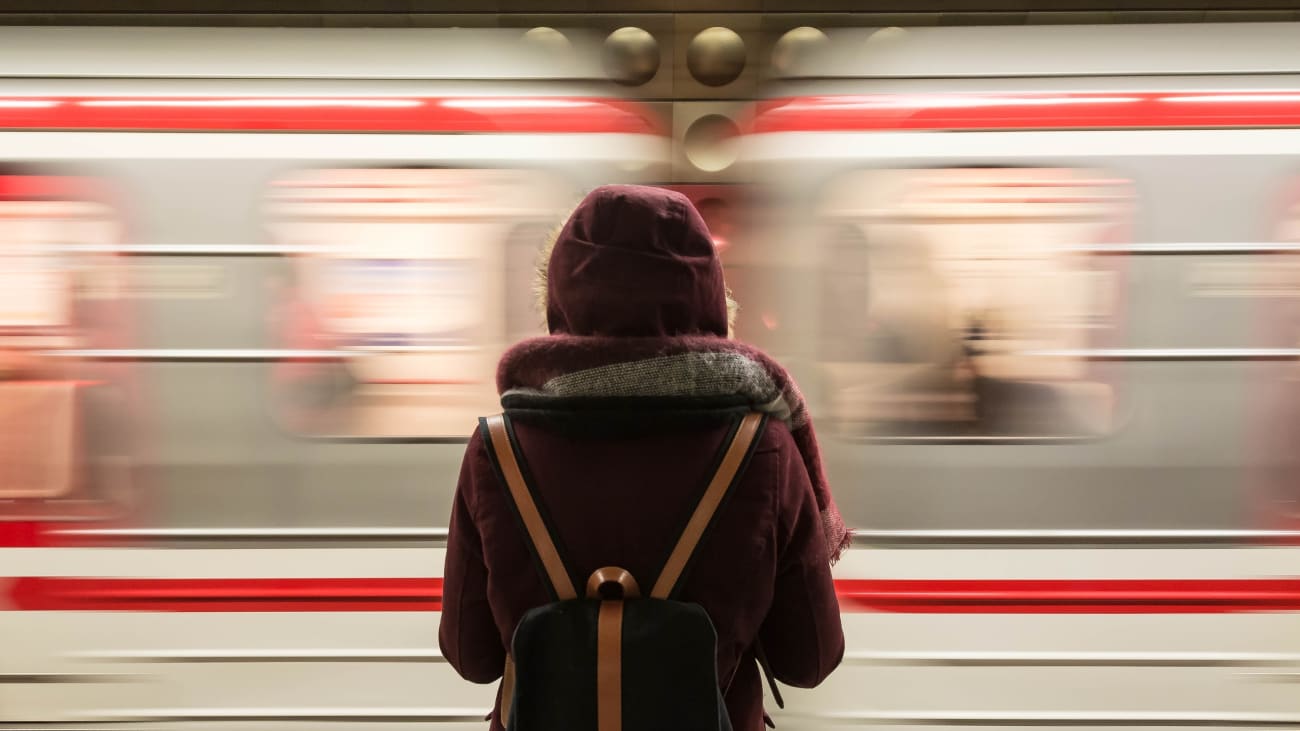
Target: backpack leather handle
x,y
612,576
713,494
532,518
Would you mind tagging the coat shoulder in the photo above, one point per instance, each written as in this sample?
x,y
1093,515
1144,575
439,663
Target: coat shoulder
x,y
776,437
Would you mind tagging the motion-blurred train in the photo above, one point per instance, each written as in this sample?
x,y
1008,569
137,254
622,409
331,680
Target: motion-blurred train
x,y
1042,286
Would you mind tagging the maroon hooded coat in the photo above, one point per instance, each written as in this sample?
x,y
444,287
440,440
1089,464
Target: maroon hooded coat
x,y
618,476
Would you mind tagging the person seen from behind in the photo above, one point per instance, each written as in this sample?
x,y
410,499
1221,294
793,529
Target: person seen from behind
x,y
623,417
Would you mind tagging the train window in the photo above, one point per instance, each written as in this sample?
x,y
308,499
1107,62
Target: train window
x,y
956,302
403,292
62,446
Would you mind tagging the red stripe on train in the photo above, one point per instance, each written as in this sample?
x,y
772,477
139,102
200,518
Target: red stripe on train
x,y
24,534
1117,110
1089,596
1081,596
328,114
227,595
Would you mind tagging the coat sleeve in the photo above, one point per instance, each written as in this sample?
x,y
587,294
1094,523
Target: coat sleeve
x,y
802,635
467,633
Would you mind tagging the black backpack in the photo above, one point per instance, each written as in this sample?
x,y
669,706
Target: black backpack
x,y
614,660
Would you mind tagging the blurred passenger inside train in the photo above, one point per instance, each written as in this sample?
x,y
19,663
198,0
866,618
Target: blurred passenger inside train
x,y
621,413
955,301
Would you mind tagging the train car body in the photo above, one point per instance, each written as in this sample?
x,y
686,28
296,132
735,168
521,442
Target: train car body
x,y
325,238
1042,282
1039,285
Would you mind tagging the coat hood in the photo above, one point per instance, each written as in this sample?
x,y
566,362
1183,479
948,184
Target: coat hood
x,y
635,261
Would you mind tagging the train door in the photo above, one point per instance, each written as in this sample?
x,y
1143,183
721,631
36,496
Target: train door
x,y
69,424
1274,283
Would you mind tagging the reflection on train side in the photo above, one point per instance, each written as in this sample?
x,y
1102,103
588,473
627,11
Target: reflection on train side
x,y
63,446
971,299
403,278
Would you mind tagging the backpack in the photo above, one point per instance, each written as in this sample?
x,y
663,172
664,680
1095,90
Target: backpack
x,y
614,659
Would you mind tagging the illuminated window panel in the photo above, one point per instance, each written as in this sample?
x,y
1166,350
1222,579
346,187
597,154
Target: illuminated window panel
x,y
958,301
406,283
62,451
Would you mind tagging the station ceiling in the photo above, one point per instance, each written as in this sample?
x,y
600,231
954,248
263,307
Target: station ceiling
x,y
519,13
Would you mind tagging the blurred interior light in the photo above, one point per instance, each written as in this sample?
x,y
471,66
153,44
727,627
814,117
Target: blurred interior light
x,y
246,103
1232,98
28,103
954,102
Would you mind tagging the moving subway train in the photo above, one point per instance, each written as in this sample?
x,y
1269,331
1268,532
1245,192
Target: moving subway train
x,y
1042,286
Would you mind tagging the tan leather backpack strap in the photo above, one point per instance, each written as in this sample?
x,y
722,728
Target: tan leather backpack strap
x,y
503,449
737,452
609,666
507,690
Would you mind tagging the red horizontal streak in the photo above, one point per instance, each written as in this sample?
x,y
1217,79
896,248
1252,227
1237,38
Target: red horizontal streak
x,y
50,187
1090,596
227,595
1118,110
1083,596
23,534
417,114
75,383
